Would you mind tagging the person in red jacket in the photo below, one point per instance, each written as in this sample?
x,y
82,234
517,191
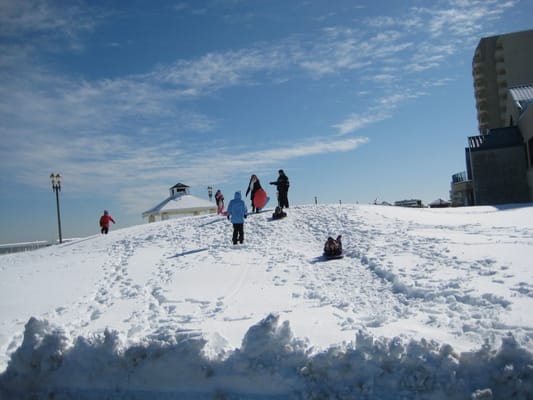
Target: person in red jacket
x,y
219,198
104,222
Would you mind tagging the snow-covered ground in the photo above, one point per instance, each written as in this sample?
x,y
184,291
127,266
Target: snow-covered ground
x,y
426,304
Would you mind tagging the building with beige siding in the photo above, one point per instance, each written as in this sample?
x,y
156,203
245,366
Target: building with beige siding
x,y
499,161
499,63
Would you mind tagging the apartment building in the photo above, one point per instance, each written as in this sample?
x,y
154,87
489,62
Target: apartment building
x,y
499,161
499,63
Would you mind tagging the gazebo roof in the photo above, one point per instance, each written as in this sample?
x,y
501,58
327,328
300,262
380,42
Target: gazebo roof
x,y
181,204
180,201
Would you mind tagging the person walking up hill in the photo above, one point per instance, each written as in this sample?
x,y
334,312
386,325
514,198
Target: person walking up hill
x,y
237,212
104,222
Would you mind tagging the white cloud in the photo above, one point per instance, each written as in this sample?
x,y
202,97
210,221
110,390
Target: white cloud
x,y
461,18
355,122
392,101
214,71
42,23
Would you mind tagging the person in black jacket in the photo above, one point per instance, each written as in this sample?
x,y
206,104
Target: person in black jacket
x,y
333,247
279,213
253,187
283,189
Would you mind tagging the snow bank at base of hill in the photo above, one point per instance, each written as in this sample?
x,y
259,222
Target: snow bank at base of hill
x,y
271,363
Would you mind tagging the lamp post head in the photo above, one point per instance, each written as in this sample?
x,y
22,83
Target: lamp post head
x,y
56,181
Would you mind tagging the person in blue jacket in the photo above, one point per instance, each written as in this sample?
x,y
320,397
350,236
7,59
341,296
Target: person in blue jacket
x,y
237,212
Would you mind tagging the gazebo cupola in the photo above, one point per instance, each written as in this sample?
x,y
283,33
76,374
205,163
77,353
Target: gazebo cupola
x,y
179,189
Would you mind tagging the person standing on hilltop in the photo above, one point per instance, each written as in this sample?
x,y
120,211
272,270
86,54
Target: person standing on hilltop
x,y
282,184
237,212
253,187
104,222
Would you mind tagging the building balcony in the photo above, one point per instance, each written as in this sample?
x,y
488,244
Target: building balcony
x,y
481,96
483,126
482,103
459,177
461,191
479,83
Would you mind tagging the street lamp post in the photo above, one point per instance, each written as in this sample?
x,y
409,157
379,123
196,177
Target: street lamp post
x,y
56,187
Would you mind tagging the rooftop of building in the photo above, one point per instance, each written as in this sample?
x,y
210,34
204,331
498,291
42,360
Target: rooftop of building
x,y
522,96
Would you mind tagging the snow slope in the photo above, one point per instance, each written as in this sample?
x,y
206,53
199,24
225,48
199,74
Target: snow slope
x,y
427,303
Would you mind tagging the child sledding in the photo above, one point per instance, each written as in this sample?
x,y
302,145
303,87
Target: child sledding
x,y
278,213
333,248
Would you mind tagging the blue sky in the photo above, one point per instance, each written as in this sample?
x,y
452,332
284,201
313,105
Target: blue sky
x,y
355,100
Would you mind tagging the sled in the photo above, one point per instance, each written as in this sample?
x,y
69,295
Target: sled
x,y
282,215
264,205
260,199
333,257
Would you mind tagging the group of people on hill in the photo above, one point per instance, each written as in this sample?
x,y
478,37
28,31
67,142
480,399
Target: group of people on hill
x,y
237,211
282,184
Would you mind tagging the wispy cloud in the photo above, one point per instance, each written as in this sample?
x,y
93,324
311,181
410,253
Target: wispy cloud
x,y
461,18
215,71
38,23
355,122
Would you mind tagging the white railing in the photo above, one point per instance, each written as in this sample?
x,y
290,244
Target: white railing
x,y
20,247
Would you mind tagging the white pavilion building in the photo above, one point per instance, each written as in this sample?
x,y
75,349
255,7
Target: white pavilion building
x,y
180,202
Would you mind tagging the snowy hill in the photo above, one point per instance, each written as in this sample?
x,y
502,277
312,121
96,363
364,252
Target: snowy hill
x,y
427,303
